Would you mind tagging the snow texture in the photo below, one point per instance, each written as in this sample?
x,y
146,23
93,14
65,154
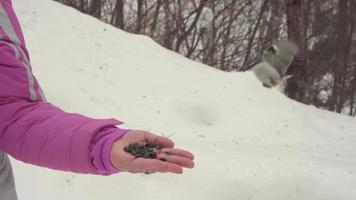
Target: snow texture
x,y
250,142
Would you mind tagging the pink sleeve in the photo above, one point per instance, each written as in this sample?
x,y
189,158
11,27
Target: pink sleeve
x,y
16,77
42,134
37,132
10,29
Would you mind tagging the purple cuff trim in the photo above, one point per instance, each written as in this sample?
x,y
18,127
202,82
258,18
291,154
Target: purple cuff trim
x,y
100,148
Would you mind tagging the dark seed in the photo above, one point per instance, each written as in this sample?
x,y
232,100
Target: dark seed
x,y
163,159
151,145
142,151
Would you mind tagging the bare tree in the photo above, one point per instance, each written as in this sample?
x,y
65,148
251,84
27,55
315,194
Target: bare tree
x,y
297,33
341,57
95,8
256,26
185,33
168,25
155,16
117,16
237,31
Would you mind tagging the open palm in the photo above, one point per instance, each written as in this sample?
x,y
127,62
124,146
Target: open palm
x,y
169,159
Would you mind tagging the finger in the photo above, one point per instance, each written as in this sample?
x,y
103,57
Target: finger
x,y
169,168
155,139
154,165
182,161
177,152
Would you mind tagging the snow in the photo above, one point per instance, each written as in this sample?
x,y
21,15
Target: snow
x,y
250,142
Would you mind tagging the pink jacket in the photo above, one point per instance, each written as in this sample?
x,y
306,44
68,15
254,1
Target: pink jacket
x,y
34,131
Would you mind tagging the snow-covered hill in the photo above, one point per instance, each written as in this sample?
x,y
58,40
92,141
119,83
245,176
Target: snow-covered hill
x,y
250,142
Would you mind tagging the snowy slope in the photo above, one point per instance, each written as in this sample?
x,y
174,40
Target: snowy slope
x,y
249,142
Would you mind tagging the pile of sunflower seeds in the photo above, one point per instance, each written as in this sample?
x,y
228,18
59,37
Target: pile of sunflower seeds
x,y
143,151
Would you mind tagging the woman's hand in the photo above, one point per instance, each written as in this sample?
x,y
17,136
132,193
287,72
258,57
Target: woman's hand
x,y
168,158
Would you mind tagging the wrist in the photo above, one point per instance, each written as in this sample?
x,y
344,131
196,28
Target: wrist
x,y
101,147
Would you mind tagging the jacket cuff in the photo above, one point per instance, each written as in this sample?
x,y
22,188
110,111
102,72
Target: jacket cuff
x,y
83,135
100,149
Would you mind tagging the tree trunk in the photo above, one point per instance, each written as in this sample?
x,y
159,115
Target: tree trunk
x,y
353,93
192,26
82,6
353,82
296,32
155,16
250,41
209,39
168,26
117,18
95,9
341,57
139,16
